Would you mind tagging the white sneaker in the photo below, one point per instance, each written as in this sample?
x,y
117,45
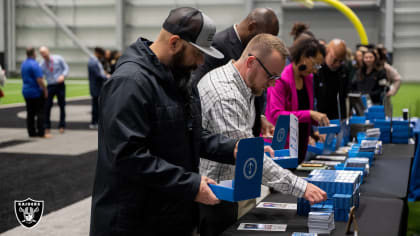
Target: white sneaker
x,y
93,126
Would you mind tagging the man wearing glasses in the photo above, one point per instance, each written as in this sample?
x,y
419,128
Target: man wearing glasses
x,y
227,99
332,80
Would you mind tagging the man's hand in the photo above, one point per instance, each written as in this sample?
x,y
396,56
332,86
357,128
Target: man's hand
x,y
314,194
267,129
60,79
270,150
45,93
205,195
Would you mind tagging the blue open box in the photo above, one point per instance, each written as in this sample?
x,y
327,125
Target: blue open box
x,y
330,144
248,173
332,128
286,126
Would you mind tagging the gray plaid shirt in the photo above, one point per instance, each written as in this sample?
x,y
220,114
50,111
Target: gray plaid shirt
x,y
228,108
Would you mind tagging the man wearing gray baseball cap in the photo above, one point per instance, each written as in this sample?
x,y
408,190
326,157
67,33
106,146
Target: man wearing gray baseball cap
x,y
150,135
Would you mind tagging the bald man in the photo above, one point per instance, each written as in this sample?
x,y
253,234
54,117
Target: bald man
x,y
332,80
55,70
231,42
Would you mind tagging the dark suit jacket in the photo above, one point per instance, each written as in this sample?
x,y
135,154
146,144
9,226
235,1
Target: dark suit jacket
x,y
228,43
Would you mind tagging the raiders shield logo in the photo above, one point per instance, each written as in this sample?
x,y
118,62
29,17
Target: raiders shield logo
x,y
29,212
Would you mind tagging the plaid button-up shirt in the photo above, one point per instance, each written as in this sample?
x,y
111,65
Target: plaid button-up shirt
x,y
228,108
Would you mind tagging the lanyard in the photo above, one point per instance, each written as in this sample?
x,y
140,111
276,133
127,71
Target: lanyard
x,y
50,65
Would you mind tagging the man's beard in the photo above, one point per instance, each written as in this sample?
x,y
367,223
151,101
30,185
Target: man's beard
x,y
181,73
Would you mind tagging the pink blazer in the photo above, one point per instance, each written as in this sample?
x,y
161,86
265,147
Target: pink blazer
x,y
282,98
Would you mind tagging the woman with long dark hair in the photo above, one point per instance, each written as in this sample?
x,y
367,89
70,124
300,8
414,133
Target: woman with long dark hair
x,y
371,78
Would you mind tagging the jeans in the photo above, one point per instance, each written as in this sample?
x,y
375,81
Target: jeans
x,y
58,90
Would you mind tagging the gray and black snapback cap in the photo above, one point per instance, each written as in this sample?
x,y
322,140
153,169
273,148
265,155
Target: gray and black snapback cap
x,y
193,26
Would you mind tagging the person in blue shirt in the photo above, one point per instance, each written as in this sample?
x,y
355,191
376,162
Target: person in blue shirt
x,y
97,77
35,93
55,70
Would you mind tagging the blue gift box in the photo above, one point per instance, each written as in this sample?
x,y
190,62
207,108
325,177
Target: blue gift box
x,y
332,128
248,173
337,135
317,149
286,126
342,188
357,120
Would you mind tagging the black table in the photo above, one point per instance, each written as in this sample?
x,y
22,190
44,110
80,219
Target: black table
x,y
382,210
388,178
375,216
397,151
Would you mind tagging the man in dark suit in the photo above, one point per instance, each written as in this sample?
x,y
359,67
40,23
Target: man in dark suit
x,y
231,42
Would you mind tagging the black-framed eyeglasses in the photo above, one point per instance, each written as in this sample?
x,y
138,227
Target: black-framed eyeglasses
x,y
270,76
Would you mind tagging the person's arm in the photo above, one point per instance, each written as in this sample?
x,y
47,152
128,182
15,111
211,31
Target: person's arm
x,y
41,84
127,104
40,80
278,99
97,70
64,66
394,77
286,182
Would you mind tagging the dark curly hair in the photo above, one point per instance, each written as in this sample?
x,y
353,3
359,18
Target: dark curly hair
x,y
308,48
300,28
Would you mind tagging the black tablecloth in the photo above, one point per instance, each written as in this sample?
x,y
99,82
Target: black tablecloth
x,y
382,209
388,178
397,151
375,216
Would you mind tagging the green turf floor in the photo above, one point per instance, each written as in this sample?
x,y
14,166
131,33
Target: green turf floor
x,y
13,90
407,97
413,227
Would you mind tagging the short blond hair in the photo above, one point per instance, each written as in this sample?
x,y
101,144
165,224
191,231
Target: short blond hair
x,y
262,45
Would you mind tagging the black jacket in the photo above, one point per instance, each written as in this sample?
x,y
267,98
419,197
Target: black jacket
x,y
371,84
149,147
227,42
327,84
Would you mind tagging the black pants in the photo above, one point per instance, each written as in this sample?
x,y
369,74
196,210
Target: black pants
x,y
58,90
95,105
35,111
216,219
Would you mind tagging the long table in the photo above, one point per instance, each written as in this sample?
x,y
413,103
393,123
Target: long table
x,y
398,151
382,210
375,216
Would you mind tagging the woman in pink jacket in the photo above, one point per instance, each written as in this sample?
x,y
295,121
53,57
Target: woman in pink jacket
x,y
293,92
